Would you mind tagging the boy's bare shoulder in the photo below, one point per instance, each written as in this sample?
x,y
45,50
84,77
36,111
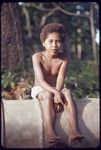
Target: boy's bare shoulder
x,y
64,57
36,55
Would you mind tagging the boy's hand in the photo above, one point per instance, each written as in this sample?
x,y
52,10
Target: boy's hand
x,y
58,107
59,101
58,98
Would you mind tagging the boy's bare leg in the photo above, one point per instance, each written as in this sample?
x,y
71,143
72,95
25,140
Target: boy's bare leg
x,y
74,133
48,114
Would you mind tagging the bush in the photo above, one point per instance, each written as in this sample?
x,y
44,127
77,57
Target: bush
x,y
82,80
8,80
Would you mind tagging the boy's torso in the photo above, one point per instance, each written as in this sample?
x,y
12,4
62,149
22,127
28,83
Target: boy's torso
x,y
50,68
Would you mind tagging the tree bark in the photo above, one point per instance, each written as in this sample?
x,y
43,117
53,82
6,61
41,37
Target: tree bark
x,y
12,56
93,39
79,51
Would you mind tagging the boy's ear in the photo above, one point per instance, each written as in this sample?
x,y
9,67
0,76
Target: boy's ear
x,y
43,43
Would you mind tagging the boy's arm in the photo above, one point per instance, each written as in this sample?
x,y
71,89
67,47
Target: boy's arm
x,y
39,74
61,75
60,82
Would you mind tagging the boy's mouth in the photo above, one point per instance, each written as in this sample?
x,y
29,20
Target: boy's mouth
x,y
54,49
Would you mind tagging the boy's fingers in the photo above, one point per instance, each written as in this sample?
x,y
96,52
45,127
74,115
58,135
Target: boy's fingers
x,y
58,107
61,102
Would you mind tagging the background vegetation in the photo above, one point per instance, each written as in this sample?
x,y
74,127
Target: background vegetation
x,y
81,22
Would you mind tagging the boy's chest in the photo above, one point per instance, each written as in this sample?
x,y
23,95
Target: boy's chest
x,y
51,67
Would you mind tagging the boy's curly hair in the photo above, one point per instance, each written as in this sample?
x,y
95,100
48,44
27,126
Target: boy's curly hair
x,y
50,28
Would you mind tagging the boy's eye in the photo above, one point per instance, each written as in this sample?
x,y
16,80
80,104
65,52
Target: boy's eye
x,y
58,41
51,41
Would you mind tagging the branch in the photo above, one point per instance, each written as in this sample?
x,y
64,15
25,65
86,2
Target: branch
x,y
28,24
47,15
69,13
36,6
72,14
40,8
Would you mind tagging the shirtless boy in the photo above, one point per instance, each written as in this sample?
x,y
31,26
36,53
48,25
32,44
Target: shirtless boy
x,y
50,67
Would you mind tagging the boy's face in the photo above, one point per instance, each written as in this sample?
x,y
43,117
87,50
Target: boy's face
x,y
53,43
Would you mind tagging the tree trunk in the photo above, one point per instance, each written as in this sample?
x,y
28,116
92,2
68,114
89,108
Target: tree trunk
x,y
12,56
79,51
93,39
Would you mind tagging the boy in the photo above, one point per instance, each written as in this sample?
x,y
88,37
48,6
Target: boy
x,y
50,70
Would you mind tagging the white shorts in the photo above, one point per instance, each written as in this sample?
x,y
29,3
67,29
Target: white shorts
x,y
36,90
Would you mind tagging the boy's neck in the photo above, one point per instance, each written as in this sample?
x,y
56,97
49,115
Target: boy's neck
x,y
50,56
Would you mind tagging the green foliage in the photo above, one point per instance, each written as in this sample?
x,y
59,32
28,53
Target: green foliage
x,y
8,79
82,80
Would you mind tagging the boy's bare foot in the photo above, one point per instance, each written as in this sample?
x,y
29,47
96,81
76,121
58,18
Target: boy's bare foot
x,y
52,137
54,141
73,138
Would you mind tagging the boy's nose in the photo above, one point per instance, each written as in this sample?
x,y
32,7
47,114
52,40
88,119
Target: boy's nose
x,y
54,44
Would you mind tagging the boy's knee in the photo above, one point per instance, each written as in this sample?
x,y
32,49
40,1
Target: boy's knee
x,y
48,95
66,91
